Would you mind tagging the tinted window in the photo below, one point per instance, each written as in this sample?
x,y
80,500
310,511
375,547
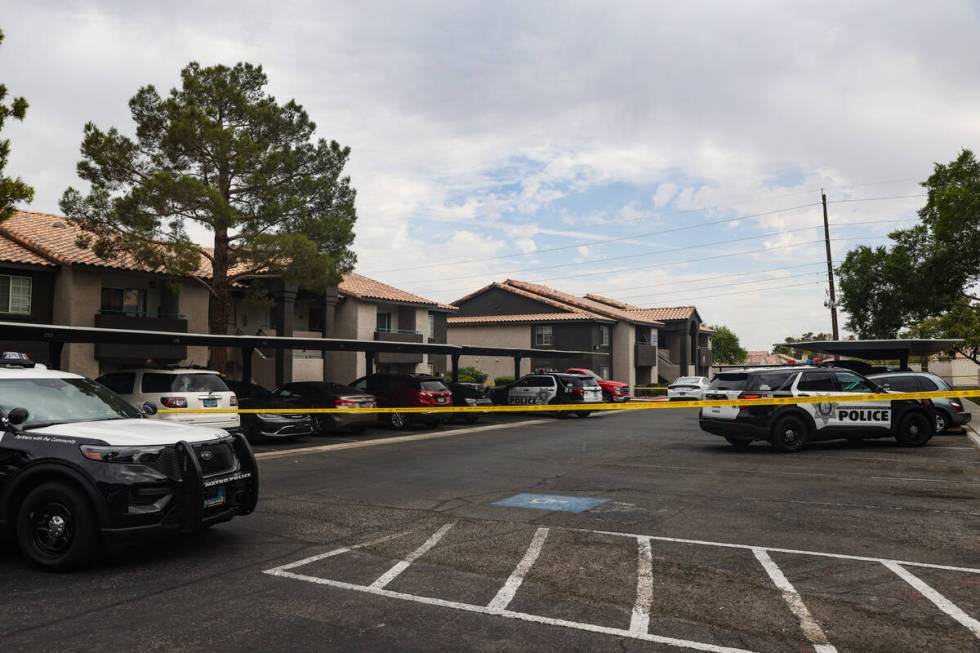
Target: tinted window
x,y
729,381
770,381
818,382
900,383
434,386
929,385
252,390
153,382
119,382
540,382
850,382
689,380
287,392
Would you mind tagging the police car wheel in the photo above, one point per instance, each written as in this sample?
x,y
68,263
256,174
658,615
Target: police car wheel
x,y
914,430
57,528
789,435
583,413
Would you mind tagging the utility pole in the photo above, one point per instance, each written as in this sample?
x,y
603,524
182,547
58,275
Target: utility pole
x,y
830,268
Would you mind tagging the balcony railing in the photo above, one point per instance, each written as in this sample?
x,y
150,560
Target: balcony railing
x,y
646,355
394,358
109,351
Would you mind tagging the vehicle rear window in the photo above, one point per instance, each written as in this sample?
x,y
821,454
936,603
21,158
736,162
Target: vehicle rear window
x,y
119,382
770,381
689,380
729,381
899,383
434,386
153,382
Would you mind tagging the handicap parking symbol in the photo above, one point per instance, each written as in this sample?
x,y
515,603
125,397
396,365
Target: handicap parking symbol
x,y
550,502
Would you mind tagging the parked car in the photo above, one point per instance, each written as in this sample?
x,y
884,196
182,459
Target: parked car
x,y
407,391
82,466
178,387
689,388
469,395
950,413
321,394
551,388
612,391
268,426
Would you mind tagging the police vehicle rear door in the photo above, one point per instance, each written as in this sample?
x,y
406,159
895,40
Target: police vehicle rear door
x,y
532,389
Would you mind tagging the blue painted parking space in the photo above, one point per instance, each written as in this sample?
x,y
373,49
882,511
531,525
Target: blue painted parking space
x,y
550,502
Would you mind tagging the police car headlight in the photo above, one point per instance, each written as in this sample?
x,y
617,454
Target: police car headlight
x,y
130,455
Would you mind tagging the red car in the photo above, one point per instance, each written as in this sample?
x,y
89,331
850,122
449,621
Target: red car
x,y
611,390
407,391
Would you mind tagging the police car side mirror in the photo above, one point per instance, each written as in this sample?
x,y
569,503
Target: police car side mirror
x,y
17,416
886,386
149,409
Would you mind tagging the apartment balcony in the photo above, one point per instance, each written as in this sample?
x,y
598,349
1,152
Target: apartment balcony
x,y
646,355
140,353
395,358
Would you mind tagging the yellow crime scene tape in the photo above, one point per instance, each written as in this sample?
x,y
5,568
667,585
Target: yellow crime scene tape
x,y
630,405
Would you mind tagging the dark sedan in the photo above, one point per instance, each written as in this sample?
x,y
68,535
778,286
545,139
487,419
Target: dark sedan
x,y
471,395
267,426
321,394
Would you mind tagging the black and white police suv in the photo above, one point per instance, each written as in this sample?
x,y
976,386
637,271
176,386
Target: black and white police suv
x,y
788,427
80,467
552,388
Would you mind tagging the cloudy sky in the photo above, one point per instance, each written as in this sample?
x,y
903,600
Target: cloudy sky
x,y
663,153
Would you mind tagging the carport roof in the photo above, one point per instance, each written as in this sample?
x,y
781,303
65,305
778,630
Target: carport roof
x,y
879,349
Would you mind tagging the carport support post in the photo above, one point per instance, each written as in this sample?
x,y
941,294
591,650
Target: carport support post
x,y
247,364
517,367
903,360
455,360
369,362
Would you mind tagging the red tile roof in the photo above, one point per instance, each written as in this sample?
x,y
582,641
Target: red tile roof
x,y
522,318
361,287
574,303
13,252
664,313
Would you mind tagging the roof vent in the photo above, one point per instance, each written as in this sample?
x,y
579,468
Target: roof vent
x,y
57,224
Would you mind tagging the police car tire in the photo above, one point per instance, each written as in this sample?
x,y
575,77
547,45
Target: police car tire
x,y
781,429
84,543
924,428
583,413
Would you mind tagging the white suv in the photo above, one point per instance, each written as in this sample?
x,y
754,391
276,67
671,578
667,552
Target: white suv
x,y
178,387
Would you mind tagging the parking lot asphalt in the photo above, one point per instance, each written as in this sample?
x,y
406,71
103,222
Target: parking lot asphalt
x,y
695,546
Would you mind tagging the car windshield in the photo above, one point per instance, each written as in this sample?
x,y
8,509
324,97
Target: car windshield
x,y
53,401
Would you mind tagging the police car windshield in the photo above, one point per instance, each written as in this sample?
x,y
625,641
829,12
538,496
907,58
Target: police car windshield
x,y
55,401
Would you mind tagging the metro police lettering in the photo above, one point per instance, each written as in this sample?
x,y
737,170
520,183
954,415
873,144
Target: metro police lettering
x,y
864,415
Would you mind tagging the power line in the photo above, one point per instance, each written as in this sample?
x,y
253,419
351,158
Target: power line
x,y
755,290
597,242
660,251
820,273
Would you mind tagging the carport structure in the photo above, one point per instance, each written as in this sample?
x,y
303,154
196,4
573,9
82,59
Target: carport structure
x,y
900,349
58,335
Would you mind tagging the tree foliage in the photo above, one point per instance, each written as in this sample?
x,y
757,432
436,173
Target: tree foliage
x,y
473,375
12,189
930,272
962,320
793,352
725,346
219,153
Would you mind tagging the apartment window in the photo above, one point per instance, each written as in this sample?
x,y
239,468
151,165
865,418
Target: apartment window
x,y
603,336
15,294
542,336
125,301
604,372
432,325
384,322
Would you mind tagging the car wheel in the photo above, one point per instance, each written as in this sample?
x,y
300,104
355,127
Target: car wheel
x,y
57,528
583,413
943,422
319,425
738,443
789,435
398,421
914,430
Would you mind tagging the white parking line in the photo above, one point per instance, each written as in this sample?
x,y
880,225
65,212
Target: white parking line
x,y
402,565
377,442
811,629
640,619
507,592
343,549
938,599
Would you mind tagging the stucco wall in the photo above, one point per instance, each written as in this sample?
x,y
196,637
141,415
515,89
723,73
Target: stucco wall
x,y
515,335
623,340
195,301
77,298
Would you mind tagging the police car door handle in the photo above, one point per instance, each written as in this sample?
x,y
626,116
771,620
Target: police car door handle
x,y
803,394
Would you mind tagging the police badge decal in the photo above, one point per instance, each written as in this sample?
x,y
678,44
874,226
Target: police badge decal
x,y
824,411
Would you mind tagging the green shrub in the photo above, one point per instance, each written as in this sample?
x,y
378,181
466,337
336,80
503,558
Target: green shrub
x,y
478,376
